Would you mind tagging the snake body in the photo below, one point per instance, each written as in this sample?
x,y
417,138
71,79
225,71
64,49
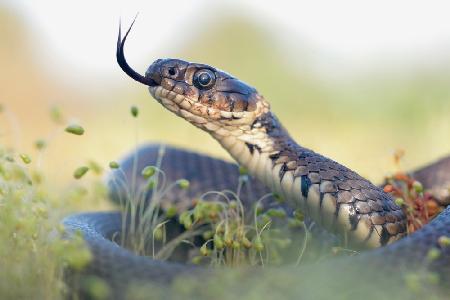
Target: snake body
x,y
240,119
121,267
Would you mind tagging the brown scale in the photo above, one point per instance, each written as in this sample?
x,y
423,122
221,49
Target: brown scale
x,y
345,186
168,84
238,102
220,102
179,88
191,92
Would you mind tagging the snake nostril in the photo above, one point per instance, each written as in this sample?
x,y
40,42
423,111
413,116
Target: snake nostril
x,y
172,71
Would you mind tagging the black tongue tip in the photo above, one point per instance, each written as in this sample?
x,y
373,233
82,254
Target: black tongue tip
x,y
120,56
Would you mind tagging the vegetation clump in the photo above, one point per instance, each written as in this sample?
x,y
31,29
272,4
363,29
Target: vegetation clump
x,y
33,252
216,229
419,205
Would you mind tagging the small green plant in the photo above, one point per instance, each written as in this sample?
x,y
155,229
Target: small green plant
x,y
231,238
232,235
35,249
75,129
33,252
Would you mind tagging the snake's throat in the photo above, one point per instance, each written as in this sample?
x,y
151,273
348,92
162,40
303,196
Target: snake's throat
x,y
329,193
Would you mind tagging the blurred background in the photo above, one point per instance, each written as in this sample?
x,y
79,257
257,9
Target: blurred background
x,y
353,80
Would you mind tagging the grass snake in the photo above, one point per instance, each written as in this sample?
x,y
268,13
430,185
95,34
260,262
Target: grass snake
x,y
332,195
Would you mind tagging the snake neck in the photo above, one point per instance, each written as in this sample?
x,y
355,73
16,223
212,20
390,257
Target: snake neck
x,y
329,193
257,146
268,152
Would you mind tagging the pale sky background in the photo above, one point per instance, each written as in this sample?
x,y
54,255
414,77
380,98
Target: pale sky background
x,y
82,33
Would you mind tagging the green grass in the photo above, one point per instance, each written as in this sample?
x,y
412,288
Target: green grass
x,y
33,252
230,235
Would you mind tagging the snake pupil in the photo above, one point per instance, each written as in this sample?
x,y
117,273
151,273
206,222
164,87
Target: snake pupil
x,y
204,79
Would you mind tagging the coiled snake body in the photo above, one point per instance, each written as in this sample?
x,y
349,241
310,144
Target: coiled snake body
x,y
240,119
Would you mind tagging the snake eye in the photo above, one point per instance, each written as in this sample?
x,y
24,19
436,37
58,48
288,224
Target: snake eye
x,y
204,79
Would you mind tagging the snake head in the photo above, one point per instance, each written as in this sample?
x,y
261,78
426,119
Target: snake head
x,y
199,93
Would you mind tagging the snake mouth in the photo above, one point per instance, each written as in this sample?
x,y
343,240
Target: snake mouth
x,y
199,113
181,104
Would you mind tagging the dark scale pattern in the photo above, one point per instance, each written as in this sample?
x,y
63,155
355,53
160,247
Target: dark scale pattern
x,y
306,183
204,173
364,201
348,187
